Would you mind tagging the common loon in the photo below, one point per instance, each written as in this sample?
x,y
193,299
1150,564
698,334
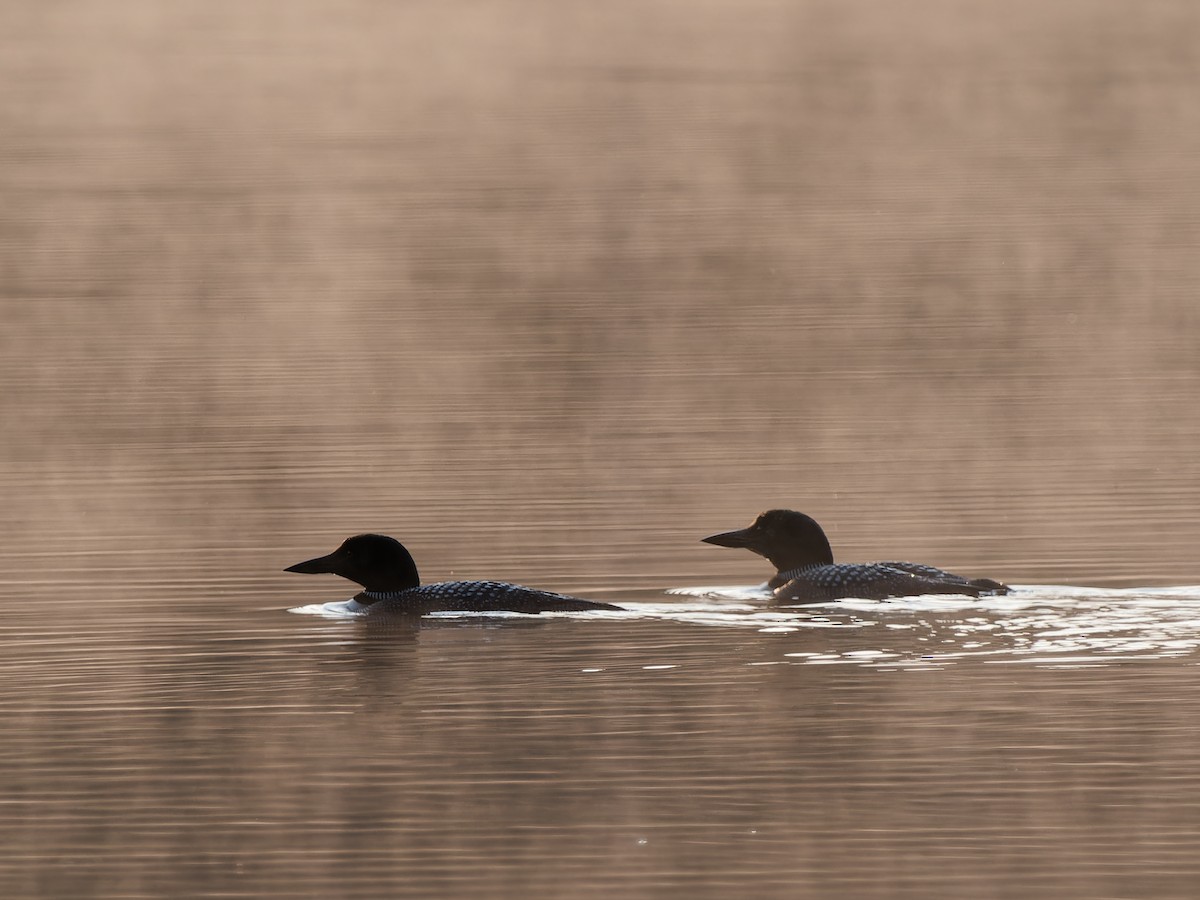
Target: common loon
x,y
796,545
386,571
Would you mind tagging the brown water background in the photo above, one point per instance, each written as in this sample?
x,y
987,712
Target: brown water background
x,y
549,291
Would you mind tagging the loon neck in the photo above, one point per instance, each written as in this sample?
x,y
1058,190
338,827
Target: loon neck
x,y
783,576
800,556
368,597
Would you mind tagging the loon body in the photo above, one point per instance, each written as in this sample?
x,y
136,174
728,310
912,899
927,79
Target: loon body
x,y
388,575
799,550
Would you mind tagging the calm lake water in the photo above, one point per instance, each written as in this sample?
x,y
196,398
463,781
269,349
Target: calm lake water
x,y
549,291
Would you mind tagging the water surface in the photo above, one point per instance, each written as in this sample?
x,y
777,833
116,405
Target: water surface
x,y
549,291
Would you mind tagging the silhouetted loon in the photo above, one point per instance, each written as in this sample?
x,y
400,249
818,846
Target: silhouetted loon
x,y
387,572
798,548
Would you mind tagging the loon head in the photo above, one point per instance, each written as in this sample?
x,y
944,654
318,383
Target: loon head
x,y
788,539
376,561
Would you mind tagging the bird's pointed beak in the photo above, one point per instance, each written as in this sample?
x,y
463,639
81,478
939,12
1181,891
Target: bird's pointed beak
x,y
322,565
739,538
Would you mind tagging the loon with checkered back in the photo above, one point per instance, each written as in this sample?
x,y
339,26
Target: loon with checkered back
x,y
806,573
390,582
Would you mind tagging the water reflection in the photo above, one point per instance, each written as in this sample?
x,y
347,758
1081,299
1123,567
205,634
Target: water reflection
x,y
1042,625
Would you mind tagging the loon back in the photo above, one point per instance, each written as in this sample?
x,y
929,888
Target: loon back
x,y
475,596
866,581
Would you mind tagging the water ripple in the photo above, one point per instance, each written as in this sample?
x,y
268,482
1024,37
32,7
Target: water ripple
x,y
1043,625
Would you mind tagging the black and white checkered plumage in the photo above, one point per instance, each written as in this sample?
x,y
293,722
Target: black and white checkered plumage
x,y
867,581
387,572
797,546
475,596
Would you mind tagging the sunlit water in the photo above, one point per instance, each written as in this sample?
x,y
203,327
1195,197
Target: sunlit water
x,y
1043,625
